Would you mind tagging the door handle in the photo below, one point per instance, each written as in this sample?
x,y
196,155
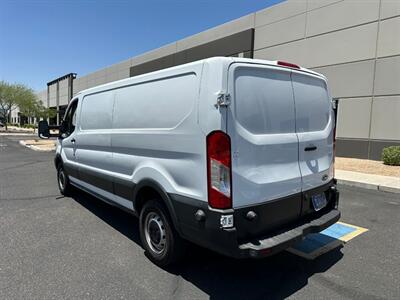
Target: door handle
x,y
73,141
310,148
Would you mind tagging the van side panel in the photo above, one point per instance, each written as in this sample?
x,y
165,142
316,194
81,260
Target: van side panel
x,y
213,82
156,134
93,140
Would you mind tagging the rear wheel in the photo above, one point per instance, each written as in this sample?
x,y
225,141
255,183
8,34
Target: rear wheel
x,y
63,181
162,243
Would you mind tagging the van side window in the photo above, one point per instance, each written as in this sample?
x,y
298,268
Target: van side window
x,y
73,122
70,118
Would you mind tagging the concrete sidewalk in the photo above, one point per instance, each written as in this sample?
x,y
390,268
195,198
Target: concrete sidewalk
x,y
368,181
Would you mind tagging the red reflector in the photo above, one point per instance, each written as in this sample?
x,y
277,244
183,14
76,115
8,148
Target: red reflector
x,y
287,64
219,170
265,251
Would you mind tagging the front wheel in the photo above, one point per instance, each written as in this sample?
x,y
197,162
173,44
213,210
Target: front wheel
x,y
162,243
63,181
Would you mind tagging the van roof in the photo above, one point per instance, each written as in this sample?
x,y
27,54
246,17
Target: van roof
x,y
268,62
222,60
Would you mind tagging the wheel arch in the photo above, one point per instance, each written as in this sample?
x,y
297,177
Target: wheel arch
x,y
57,160
147,188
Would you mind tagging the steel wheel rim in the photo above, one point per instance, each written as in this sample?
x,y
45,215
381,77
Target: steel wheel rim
x,y
61,179
155,233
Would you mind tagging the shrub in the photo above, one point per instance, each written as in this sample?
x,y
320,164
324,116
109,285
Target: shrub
x,y
33,126
391,155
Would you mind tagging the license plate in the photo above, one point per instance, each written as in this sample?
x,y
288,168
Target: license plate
x,y
319,201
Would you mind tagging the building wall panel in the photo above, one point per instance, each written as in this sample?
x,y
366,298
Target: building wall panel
x,y
353,44
351,79
389,37
387,76
293,52
341,15
279,12
215,33
280,32
314,4
385,120
390,8
351,124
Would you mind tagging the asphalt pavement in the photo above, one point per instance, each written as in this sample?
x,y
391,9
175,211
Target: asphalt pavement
x,y
54,247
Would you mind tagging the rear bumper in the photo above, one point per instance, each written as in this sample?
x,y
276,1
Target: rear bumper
x,y
261,239
281,241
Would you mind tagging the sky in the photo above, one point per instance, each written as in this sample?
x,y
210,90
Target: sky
x,y
43,40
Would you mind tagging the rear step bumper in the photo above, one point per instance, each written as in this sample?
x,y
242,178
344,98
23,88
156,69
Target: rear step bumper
x,y
245,240
276,243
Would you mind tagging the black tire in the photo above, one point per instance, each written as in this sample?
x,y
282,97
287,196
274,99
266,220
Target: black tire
x,y
63,181
162,243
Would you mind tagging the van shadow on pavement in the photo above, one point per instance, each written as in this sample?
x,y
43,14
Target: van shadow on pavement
x,y
221,277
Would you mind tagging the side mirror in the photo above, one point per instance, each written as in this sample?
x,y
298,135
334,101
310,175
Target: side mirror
x,y
43,129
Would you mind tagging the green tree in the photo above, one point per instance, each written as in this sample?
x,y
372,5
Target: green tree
x,y
29,107
7,103
33,108
13,96
43,112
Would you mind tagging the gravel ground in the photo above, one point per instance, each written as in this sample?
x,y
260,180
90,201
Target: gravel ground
x,y
366,166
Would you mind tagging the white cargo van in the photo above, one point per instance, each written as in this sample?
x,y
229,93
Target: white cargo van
x,y
236,155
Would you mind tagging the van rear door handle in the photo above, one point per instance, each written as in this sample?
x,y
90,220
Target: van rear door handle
x,y
310,148
73,141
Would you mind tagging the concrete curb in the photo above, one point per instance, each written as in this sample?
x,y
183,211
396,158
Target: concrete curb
x,y
368,181
370,186
363,185
36,148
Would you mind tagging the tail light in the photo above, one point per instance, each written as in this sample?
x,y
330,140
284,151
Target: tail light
x,y
219,170
287,64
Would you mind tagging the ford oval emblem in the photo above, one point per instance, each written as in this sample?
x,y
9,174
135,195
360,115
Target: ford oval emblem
x,y
325,177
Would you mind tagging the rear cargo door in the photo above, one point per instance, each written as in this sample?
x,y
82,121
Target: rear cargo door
x,y
261,125
314,127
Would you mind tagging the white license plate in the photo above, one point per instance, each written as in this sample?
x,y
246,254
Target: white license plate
x,y
319,201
